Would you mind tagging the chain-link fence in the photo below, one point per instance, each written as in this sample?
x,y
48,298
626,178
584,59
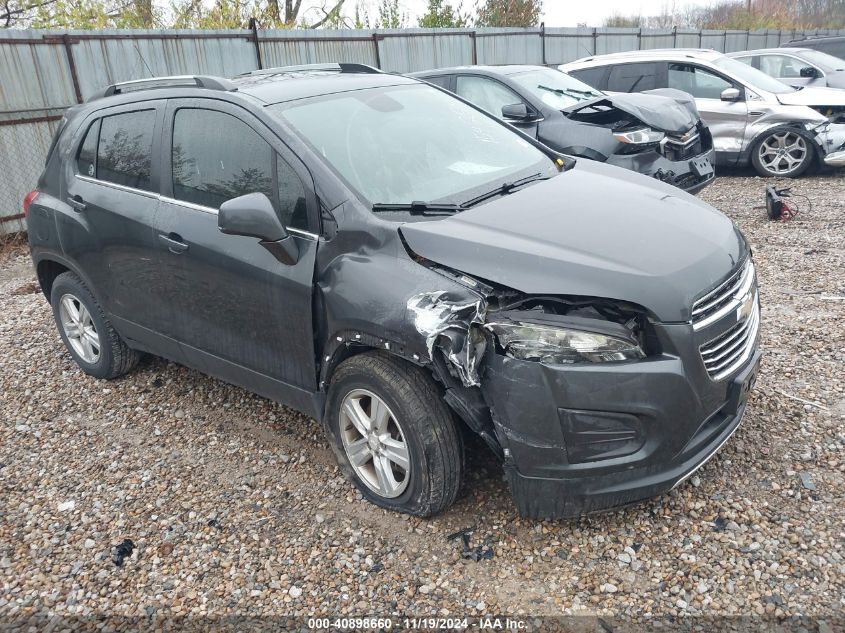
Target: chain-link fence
x,y
24,144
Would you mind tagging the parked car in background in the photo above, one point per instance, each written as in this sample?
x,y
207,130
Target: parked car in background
x,y
659,135
753,118
797,67
832,45
405,268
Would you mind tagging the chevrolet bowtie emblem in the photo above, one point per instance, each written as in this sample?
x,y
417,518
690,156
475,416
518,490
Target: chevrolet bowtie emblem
x,y
745,307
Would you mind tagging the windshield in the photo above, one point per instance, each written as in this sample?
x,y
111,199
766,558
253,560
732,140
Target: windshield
x,y
410,143
751,76
556,89
823,60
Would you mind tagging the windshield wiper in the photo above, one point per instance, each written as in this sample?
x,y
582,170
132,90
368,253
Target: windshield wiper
x,y
417,207
571,92
503,189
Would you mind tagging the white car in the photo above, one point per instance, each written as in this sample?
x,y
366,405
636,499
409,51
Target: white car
x,y
753,118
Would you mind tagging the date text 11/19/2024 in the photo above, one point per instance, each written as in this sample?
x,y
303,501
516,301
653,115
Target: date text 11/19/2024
x,y
423,624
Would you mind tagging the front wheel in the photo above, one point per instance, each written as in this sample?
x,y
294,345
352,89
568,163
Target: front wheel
x,y
393,435
786,153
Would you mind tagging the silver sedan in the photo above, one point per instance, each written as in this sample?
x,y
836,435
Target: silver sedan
x,y
753,118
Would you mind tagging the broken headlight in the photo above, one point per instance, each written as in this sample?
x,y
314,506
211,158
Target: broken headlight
x,y
563,345
642,136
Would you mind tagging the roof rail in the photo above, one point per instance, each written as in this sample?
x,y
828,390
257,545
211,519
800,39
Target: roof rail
x,y
200,81
342,67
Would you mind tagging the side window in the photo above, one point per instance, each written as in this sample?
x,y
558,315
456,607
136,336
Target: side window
x,y
210,168
487,94
124,153
86,161
632,77
700,83
440,80
749,60
590,76
781,66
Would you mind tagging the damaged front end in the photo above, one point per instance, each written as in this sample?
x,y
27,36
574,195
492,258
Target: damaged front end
x,y
830,137
660,135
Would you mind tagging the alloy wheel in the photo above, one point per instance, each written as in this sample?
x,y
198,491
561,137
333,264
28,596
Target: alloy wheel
x,y
783,152
374,443
79,328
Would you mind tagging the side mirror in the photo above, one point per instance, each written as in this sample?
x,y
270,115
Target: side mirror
x,y
253,215
809,72
516,112
730,94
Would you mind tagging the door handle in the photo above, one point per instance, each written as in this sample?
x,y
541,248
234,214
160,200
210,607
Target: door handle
x,y
77,203
174,243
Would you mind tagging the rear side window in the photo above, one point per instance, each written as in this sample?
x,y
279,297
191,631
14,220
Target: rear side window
x,y
590,76
217,157
86,162
632,77
125,150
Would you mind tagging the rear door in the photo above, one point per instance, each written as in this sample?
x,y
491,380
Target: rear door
x,y
726,119
112,189
239,308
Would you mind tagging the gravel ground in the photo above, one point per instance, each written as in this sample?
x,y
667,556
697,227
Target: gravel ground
x,y
235,505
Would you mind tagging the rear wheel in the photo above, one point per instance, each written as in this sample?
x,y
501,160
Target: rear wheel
x,y
86,332
783,152
393,435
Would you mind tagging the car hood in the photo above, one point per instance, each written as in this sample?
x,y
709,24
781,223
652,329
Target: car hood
x,y
812,96
595,230
836,79
665,109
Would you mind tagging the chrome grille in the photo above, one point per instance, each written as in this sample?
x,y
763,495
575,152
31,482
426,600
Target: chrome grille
x,y
725,297
731,350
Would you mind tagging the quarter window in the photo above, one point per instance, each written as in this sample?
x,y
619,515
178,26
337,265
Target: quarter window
x,y
86,162
124,153
700,83
487,94
632,77
217,157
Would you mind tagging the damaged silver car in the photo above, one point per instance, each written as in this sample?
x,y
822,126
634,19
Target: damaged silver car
x,y
754,118
406,269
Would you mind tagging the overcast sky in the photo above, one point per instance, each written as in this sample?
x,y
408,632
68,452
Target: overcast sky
x,y
556,12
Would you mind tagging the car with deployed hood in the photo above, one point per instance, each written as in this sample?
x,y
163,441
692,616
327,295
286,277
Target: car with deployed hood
x,y
797,67
753,118
406,269
658,133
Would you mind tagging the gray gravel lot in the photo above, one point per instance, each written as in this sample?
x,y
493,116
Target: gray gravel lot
x,y
235,505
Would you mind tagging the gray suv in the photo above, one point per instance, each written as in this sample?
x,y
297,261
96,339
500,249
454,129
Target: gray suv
x,y
403,267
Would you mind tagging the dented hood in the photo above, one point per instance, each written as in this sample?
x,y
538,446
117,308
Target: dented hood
x,y
595,230
814,97
665,109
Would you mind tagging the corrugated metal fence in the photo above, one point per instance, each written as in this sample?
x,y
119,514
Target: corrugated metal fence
x,y
44,72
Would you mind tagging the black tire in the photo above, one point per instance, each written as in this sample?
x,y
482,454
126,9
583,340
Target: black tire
x,y
798,169
115,357
434,443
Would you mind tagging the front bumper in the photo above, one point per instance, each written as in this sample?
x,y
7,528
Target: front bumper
x,y
836,159
586,438
684,174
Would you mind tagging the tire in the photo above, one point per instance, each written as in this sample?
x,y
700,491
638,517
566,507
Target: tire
x,y
788,164
110,356
417,418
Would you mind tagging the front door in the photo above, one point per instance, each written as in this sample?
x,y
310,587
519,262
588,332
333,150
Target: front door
x,y
237,307
726,119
